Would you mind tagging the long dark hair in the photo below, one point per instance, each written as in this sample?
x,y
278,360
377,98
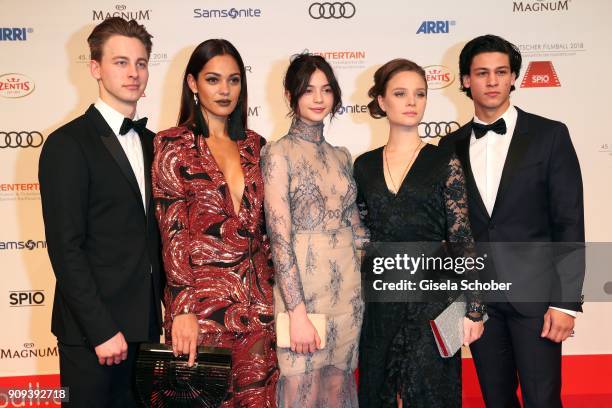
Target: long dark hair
x,y
298,76
190,114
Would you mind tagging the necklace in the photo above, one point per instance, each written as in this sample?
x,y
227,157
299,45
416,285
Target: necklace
x,y
416,149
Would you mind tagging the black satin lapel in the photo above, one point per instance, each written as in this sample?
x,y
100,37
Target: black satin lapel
x,y
463,152
147,155
516,152
114,147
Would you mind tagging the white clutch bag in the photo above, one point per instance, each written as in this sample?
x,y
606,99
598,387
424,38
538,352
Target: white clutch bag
x,y
319,321
447,328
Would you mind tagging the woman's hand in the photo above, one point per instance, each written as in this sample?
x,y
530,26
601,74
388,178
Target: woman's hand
x,y
471,331
185,331
302,333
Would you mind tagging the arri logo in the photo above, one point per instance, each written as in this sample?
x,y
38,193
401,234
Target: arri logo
x,y
26,298
438,76
539,6
121,11
540,74
435,27
15,85
14,34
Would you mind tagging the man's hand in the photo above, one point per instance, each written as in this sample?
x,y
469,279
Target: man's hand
x,y
185,329
113,350
557,326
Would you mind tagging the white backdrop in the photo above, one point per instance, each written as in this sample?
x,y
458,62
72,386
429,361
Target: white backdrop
x,y
43,50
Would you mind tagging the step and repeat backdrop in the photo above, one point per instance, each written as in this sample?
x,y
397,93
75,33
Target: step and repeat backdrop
x,y
45,82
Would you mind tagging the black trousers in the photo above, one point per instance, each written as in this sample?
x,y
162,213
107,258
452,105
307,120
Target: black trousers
x,y
91,384
510,350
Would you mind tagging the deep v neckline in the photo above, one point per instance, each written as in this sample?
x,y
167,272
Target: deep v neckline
x,y
224,179
384,177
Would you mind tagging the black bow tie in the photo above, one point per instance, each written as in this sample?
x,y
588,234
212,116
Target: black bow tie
x,y
499,127
138,125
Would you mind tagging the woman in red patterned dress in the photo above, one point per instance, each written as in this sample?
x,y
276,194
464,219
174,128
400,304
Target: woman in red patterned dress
x,y
209,191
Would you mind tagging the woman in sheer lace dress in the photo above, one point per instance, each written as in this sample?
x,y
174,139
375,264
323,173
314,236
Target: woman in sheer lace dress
x,y
410,191
314,230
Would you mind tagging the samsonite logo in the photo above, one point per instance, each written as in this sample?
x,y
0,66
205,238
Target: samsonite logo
x,y
435,26
15,85
14,33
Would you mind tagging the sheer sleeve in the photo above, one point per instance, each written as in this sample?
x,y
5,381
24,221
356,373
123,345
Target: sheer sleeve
x,y
459,234
361,234
275,171
173,217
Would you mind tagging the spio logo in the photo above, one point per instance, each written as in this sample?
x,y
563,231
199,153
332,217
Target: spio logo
x,y
26,298
14,33
438,76
437,129
540,74
435,26
334,10
15,85
14,140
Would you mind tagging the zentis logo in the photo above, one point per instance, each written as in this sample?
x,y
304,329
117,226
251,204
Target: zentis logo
x,y
540,74
438,76
15,85
435,27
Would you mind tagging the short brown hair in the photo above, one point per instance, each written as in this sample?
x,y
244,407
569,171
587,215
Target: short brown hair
x,y
117,26
383,75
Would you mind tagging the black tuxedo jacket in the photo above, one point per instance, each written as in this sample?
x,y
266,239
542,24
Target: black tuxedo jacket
x,y
539,199
104,248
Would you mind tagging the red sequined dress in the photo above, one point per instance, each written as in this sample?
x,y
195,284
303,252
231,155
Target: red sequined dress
x,y
217,262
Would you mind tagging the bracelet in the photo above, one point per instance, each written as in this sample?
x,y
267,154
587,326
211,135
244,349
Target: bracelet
x,y
475,319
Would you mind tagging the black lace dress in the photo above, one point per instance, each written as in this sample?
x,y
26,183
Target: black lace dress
x,y
398,354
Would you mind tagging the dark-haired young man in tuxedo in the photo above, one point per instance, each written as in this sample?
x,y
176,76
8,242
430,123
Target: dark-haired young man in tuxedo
x,y
100,226
524,185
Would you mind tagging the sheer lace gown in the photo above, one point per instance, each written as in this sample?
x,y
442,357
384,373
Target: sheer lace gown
x,y
398,354
314,229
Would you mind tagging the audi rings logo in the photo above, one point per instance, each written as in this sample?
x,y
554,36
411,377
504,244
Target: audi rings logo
x,y
13,140
335,10
437,129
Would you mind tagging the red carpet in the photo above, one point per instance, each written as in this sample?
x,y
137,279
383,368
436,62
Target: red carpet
x,y
587,382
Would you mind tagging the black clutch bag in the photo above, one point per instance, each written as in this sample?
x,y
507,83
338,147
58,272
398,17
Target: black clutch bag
x,y
163,380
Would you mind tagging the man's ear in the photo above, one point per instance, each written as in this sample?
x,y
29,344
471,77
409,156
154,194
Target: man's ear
x,y
465,80
94,69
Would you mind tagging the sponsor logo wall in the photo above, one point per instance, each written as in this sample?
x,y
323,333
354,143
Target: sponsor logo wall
x,y
44,82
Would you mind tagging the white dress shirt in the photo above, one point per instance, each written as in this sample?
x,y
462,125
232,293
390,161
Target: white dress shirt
x,y
130,142
487,159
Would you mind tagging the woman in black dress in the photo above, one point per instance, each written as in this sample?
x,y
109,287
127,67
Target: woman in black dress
x,y
411,191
